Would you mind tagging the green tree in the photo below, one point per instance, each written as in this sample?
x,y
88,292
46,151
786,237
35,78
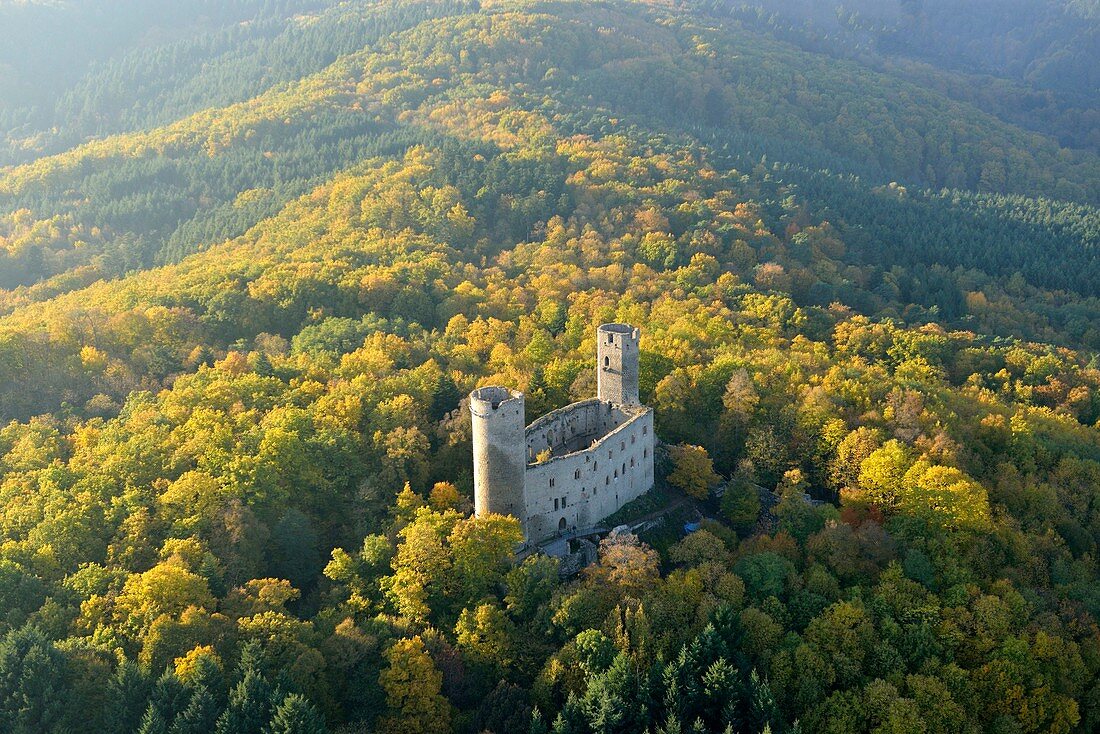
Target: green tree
x,y
741,505
249,707
200,716
34,689
296,715
127,698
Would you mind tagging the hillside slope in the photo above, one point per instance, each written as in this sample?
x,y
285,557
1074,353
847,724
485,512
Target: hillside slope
x,y
238,327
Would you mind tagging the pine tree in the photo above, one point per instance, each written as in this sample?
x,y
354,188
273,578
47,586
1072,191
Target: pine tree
x,y
33,688
169,696
200,715
296,715
762,707
538,724
152,722
249,706
128,698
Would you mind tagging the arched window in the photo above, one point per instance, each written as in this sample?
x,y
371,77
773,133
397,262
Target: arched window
x,y
607,361
561,525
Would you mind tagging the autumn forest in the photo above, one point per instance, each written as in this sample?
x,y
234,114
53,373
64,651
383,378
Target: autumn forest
x,y
255,254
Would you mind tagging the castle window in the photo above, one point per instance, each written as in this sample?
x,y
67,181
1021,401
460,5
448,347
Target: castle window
x,y
622,445
616,473
577,474
624,467
610,338
607,361
609,454
632,438
631,462
645,430
563,503
595,465
551,481
555,503
606,481
645,453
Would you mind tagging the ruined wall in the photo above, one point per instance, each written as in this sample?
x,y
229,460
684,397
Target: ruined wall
x,y
579,489
573,428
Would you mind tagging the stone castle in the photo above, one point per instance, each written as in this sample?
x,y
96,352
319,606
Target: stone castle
x,y
573,466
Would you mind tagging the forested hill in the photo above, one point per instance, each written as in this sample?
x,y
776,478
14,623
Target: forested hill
x,y
254,254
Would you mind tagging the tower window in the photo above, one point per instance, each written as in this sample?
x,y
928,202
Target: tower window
x,y
607,361
577,474
624,467
563,503
551,481
606,481
645,430
632,438
622,445
631,462
645,453
555,503
616,473
610,338
609,454
595,465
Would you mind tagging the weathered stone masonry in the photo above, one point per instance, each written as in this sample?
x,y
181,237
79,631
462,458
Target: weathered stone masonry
x,y
573,466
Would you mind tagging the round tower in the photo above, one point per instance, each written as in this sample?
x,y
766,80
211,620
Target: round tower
x,y
617,364
500,462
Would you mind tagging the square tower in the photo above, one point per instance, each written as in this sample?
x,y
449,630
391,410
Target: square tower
x,y
617,364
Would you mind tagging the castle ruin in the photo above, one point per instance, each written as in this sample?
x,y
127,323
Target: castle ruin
x,y
574,466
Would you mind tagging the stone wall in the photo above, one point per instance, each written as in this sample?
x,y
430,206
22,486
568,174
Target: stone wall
x,y
573,428
578,489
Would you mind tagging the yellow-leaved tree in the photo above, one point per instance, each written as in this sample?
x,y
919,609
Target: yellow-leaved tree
x,y
412,683
692,471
